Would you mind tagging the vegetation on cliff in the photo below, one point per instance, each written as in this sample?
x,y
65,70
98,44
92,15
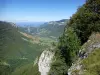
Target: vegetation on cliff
x,y
80,26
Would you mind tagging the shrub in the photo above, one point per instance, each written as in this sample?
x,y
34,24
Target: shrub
x,y
69,46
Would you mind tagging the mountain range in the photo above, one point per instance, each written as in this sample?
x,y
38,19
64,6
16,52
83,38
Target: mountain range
x,y
50,29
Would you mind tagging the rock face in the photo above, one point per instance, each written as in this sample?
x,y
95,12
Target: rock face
x,y
76,68
45,61
92,44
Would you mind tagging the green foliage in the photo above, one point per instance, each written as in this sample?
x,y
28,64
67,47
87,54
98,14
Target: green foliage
x,y
86,20
5,70
69,45
58,66
92,63
80,26
65,53
29,69
16,49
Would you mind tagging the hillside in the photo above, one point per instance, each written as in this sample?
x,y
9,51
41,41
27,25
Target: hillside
x,y
39,40
78,49
52,29
88,62
17,48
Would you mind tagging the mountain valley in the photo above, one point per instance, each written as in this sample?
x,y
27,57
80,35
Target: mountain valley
x,y
64,47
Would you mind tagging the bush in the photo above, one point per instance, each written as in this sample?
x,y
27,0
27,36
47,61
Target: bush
x,y
58,65
86,20
69,46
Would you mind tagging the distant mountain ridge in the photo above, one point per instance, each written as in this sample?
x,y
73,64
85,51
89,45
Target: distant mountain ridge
x,y
48,29
26,24
59,22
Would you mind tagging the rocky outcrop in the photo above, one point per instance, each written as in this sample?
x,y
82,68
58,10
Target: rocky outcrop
x,y
92,44
75,69
45,61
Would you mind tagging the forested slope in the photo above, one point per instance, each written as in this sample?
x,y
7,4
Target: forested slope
x,y
77,32
16,48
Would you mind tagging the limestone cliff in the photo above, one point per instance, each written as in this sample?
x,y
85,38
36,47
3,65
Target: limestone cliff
x,y
45,61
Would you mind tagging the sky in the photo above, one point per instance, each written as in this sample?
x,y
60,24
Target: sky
x,y
38,10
